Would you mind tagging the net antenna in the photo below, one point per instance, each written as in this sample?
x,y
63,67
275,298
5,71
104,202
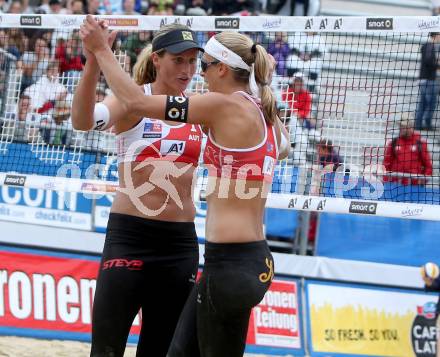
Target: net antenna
x,y
11,79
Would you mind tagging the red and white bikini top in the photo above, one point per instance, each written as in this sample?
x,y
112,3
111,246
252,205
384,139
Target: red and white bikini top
x,y
256,163
152,138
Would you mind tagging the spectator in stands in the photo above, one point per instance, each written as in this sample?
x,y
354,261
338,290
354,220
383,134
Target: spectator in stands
x,y
15,7
56,7
93,7
56,129
161,7
3,39
5,61
299,100
307,55
77,7
34,62
44,7
134,43
109,7
23,108
47,90
197,7
432,284
26,9
408,154
435,7
23,121
234,7
17,42
429,88
293,7
298,138
3,7
100,92
128,8
328,157
280,50
69,56
45,34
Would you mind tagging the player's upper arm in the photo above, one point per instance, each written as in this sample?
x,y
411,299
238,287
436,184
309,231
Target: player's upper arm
x,y
202,109
207,108
118,113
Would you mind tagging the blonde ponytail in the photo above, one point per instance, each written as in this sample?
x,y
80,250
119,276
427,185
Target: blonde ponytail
x,y
262,70
144,71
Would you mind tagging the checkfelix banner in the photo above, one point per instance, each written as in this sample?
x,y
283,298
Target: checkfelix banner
x,y
45,207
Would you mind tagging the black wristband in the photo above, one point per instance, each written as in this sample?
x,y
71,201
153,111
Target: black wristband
x,y
176,109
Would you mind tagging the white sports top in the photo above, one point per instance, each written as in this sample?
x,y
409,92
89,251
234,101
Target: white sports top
x,y
155,139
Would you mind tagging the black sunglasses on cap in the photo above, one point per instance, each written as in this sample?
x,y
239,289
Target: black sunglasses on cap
x,y
205,64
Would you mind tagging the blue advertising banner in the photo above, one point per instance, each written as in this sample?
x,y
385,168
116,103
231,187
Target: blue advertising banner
x,y
22,158
46,207
378,239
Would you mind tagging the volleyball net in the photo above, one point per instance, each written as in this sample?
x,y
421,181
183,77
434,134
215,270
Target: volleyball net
x,y
362,123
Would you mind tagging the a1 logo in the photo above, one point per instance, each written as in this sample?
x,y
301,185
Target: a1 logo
x,y
172,147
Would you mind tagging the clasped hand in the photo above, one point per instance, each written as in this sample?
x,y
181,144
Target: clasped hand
x,y
95,35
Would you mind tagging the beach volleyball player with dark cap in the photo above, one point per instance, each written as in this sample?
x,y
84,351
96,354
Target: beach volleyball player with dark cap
x,y
150,256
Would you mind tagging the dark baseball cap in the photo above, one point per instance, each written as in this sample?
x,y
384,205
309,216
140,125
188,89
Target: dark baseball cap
x,y
176,41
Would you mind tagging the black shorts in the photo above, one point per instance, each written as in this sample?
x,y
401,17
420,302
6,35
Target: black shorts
x,y
215,319
145,264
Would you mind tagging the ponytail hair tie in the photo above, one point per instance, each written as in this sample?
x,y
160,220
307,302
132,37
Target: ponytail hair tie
x,y
254,48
